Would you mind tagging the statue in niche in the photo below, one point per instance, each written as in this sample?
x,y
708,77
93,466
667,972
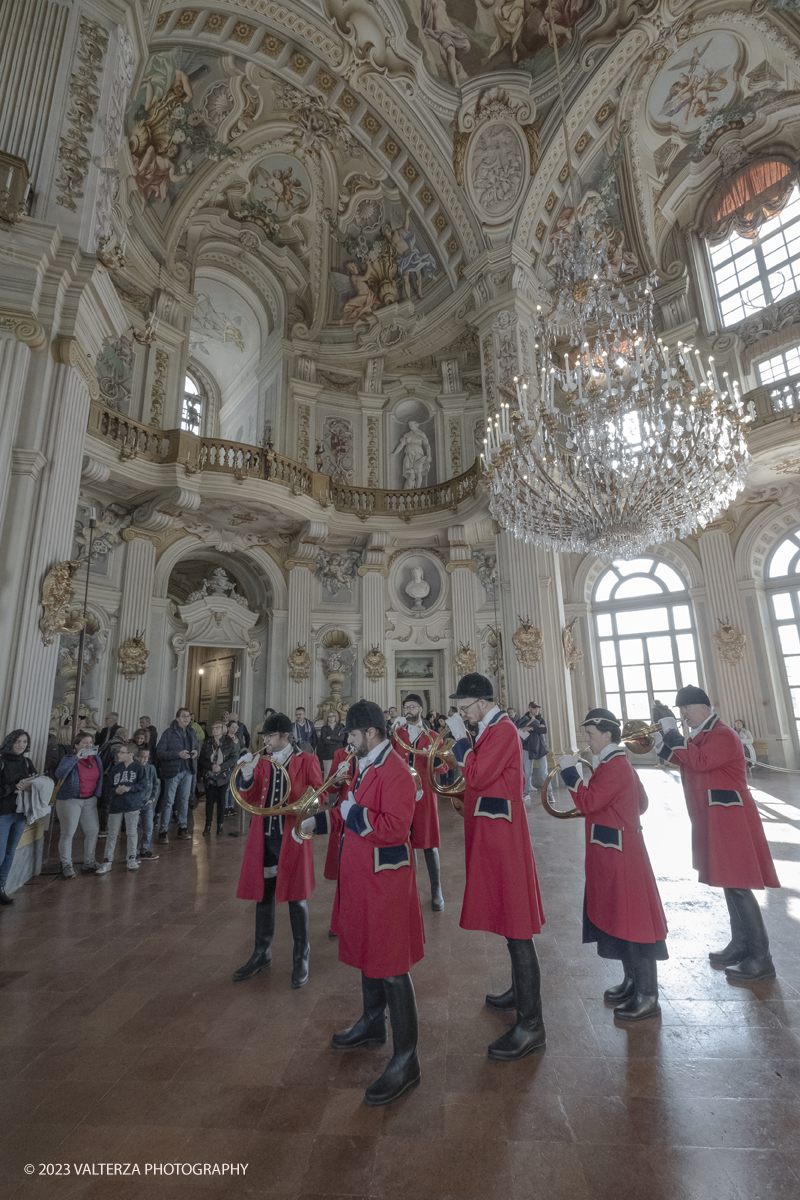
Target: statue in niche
x,y
416,456
417,588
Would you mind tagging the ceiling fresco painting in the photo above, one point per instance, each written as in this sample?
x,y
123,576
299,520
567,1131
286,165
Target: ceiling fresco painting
x,y
599,214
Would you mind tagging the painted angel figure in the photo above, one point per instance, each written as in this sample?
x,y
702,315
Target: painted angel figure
x,y
155,142
411,262
359,307
437,27
695,88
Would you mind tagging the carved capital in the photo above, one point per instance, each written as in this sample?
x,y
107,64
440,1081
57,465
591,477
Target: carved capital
x,y
24,326
71,353
469,565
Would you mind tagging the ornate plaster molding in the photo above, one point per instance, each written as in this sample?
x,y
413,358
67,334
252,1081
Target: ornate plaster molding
x,y
71,353
24,326
84,96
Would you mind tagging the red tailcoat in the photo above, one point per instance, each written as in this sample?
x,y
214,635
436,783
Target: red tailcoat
x,y
425,827
729,848
502,891
296,863
335,823
621,893
376,912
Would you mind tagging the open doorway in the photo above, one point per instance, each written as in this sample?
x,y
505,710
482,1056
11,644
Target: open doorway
x,y
213,682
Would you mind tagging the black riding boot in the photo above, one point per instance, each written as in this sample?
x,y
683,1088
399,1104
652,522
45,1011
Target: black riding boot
x,y
644,1001
370,1028
757,962
736,948
298,918
624,990
402,1071
528,1034
432,863
265,929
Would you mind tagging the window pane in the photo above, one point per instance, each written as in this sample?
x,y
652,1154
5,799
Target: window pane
x,y
637,706
610,681
603,589
612,702
189,385
648,620
793,671
662,677
796,701
608,654
633,566
604,625
689,674
782,606
633,678
682,617
659,649
685,645
630,651
671,578
637,587
779,563
790,639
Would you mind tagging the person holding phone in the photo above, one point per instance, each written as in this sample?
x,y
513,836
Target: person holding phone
x,y
81,776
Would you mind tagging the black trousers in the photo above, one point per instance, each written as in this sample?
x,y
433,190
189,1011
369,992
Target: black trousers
x,y
215,794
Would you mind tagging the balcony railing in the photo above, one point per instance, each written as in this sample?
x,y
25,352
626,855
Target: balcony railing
x,y
132,440
773,401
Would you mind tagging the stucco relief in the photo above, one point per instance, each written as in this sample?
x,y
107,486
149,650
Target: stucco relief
x,y
496,169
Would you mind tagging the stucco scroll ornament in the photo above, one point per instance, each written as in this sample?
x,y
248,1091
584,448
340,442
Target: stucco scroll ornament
x,y
375,664
84,96
572,655
57,596
730,642
466,660
363,27
299,662
528,643
132,656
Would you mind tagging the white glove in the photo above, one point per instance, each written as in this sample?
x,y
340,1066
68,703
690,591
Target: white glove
x,y
456,726
400,722
567,760
346,805
246,767
659,742
342,770
419,795
668,723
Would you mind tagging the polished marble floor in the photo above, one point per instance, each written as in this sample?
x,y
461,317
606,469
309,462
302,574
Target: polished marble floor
x,y
124,1040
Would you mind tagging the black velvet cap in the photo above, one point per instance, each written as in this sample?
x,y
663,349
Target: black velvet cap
x,y
691,695
363,715
601,718
277,723
473,687
414,698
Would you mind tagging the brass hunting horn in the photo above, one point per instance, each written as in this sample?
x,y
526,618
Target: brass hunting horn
x,y
443,750
638,737
307,806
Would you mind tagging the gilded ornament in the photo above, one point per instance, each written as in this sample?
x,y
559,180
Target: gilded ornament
x,y
375,664
572,655
57,596
730,642
528,642
466,660
299,662
132,656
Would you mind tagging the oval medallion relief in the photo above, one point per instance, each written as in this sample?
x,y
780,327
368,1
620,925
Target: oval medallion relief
x,y
497,169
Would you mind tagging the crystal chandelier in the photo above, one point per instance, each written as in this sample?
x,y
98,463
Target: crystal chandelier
x,y
615,443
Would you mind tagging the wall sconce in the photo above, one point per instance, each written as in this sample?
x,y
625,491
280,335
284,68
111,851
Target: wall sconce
x,y
15,189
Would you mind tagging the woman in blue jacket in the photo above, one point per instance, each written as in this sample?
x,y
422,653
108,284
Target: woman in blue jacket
x,y
81,776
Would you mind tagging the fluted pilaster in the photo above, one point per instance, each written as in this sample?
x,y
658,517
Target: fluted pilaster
x,y
14,357
140,565
299,691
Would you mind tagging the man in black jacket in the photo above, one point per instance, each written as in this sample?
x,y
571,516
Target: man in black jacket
x,y
533,731
105,734
176,756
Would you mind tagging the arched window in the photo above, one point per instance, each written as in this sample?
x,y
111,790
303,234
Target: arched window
x,y
752,225
783,580
646,636
192,411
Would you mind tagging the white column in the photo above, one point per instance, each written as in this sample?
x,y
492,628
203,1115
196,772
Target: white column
x,y
14,356
530,589
134,614
461,569
38,533
737,692
374,572
299,691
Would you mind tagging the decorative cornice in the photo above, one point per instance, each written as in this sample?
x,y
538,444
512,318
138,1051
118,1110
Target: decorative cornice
x,y
24,327
71,353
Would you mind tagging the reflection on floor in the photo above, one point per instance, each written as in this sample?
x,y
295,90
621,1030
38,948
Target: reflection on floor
x,y
124,1040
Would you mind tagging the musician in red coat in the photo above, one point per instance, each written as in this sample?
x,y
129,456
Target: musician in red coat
x,y
501,893
340,781
622,908
377,913
410,731
277,866
729,849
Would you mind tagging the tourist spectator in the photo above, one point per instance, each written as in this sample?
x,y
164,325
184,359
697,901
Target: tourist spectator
x,y
661,710
176,759
747,740
268,712
243,732
330,739
232,730
150,791
16,772
303,731
199,732
533,732
81,774
218,755
108,757
128,781
141,738
54,753
108,730
152,733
